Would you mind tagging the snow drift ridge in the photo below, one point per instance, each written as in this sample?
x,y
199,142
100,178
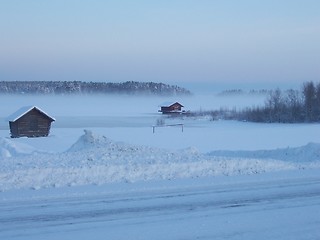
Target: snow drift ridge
x,y
95,159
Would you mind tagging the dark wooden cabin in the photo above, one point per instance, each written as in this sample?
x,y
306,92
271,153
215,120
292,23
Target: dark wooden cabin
x,y
168,108
30,122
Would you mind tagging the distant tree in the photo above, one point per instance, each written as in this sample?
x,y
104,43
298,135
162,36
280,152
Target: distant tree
x,y
294,104
309,92
317,103
275,106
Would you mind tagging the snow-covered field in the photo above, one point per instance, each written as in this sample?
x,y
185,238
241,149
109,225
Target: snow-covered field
x,y
103,174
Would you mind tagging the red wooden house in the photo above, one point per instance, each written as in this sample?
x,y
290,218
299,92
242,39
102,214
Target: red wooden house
x,y
171,108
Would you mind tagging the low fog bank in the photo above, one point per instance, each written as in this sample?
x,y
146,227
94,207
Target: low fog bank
x,y
121,105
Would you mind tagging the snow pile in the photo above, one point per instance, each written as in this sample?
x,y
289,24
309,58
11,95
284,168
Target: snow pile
x,y
9,148
308,153
89,140
95,159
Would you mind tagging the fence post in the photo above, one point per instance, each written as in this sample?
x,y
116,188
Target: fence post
x,y
169,125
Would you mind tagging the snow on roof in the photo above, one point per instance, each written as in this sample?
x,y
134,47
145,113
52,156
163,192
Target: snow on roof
x,y
168,104
22,111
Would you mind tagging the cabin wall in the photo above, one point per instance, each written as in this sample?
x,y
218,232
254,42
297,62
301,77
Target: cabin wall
x,y
13,129
165,109
175,107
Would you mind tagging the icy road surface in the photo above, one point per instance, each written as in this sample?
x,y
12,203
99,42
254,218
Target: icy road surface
x,y
249,207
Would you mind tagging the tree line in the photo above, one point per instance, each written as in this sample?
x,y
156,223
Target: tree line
x,y
79,87
290,106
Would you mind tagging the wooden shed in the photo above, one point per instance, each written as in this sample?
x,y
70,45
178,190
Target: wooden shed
x,y
30,121
171,107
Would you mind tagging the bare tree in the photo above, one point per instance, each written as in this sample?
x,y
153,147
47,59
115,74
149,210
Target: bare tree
x,y
309,92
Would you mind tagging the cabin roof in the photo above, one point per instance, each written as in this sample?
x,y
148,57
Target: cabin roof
x,y
169,104
24,110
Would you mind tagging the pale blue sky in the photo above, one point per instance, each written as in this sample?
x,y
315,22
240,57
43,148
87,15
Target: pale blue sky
x,y
167,40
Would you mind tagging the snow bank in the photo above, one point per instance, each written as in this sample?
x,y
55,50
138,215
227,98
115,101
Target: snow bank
x,y
89,140
95,159
9,148
308,153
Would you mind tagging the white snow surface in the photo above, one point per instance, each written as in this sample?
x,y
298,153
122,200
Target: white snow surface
x,y
119,145
307,153
95,159
9,148
118,180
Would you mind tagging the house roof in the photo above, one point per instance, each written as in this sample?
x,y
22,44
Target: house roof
x,y
169,104
22,111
